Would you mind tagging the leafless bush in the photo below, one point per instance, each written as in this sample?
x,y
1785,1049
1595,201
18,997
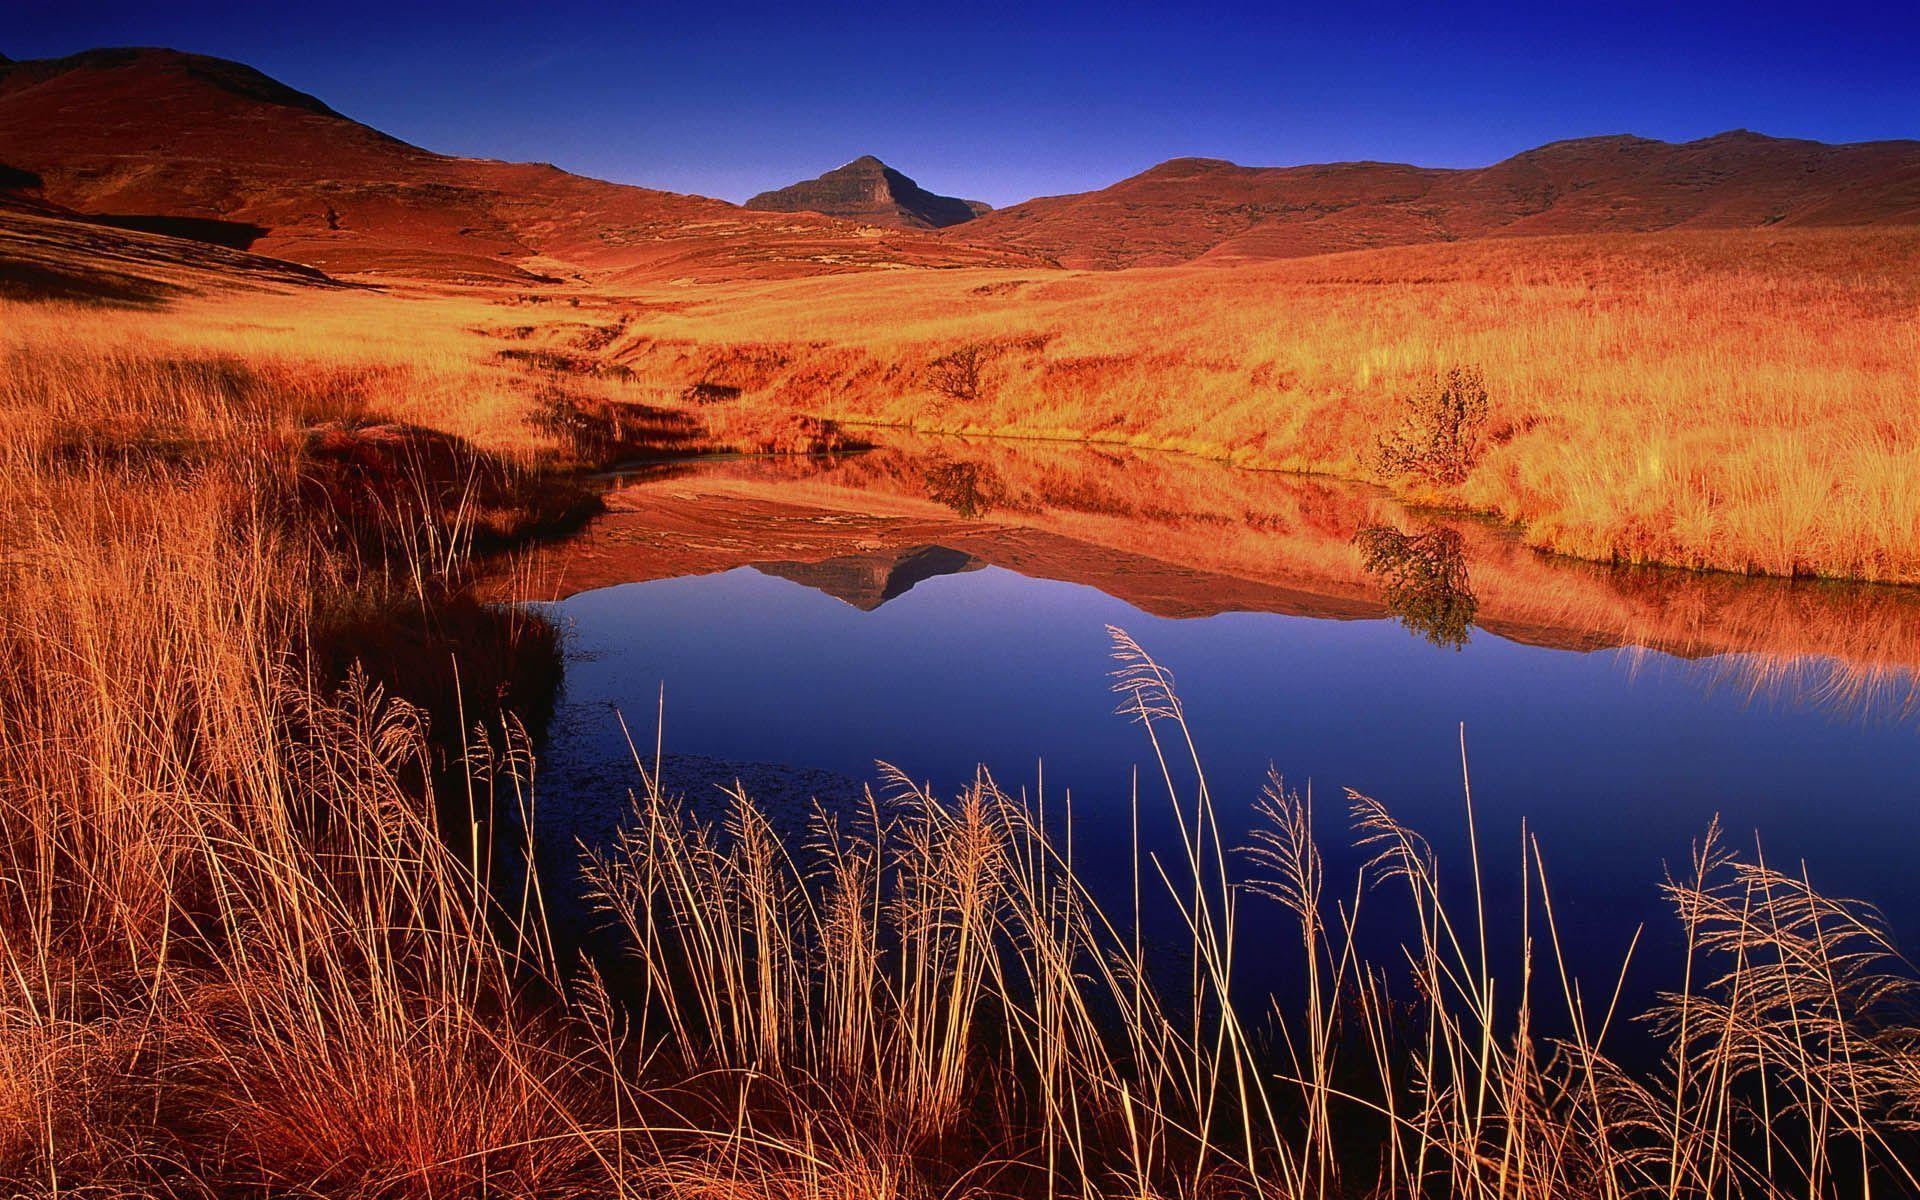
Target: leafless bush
x,y
1438,438
956,374
707,392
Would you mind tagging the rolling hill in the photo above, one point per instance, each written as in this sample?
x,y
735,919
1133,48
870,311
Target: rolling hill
x,y
1192,209
51,252
185,143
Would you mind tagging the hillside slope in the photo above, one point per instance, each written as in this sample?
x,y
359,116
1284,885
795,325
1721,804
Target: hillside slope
x,y
1191,208
49,255
160,134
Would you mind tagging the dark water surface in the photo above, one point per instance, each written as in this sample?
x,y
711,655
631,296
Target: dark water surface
x,y
1612,715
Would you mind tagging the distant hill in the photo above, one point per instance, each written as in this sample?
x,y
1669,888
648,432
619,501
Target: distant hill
x,y
869,191
1197,208
161,137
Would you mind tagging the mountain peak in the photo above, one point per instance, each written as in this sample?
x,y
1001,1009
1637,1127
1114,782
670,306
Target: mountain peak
x,y
1190,164
869,190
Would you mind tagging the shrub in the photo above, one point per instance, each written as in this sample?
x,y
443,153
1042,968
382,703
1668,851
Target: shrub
x,y
705,392
1439,435
1423,580
970,489
956,374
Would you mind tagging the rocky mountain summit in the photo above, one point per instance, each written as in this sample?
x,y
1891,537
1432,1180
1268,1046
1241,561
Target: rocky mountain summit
x,y
872,192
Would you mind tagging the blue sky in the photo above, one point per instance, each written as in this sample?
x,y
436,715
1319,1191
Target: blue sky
x,y
1001,102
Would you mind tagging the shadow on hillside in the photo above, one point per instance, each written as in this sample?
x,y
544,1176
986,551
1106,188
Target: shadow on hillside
x,y
233,235
14,179
38,281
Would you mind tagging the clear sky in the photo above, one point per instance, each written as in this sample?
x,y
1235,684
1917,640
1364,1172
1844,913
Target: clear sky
x,y
1001,102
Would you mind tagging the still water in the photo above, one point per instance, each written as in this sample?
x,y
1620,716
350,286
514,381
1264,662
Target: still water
x,y
946,608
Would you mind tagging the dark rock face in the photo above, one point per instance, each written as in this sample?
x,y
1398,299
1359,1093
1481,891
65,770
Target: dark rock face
x,y
868,190
13,179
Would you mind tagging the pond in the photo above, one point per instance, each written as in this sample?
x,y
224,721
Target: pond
x,y
943,606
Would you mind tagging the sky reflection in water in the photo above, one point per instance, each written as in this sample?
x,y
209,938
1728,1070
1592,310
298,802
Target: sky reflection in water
x,y
1616,758
1616,770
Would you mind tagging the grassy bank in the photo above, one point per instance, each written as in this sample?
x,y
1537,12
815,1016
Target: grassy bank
x,y
247,938
238,952
1738,401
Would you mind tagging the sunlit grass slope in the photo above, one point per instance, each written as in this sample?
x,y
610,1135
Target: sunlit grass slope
x,y
237,954
1741,401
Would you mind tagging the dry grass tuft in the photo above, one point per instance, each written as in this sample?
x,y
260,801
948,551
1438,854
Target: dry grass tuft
x,y
238,951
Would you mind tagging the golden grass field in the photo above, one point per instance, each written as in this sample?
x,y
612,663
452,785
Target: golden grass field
x,y
1738,401
259,928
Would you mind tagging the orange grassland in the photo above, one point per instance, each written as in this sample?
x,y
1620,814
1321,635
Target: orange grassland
x,y
1744,401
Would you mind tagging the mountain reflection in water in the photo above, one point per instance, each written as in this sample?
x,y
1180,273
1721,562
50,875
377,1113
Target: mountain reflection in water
x,y
943,607
1180,537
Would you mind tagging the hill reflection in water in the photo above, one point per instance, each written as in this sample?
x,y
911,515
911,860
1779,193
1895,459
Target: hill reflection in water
x,y
1181,537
